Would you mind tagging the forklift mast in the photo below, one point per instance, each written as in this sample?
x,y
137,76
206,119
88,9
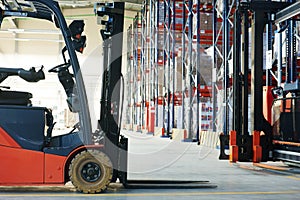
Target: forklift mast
x,y
112,37
112,17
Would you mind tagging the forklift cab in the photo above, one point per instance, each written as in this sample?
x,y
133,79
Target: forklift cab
x,y
29,126
26,123
16,112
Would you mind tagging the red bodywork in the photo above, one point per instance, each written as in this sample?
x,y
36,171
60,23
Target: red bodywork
x,y
27,167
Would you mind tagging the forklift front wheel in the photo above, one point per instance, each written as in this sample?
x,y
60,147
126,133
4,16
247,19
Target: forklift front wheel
x,y
91,171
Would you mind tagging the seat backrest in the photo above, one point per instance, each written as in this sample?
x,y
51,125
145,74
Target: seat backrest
x,y
15,98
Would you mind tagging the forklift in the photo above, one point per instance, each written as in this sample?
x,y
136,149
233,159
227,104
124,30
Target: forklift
x,y
30,153
275,102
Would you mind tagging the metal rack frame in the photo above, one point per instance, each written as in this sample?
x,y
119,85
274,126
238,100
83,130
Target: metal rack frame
x,y
223,25
169,28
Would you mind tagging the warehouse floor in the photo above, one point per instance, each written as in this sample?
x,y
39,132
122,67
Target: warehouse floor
x,y
153,158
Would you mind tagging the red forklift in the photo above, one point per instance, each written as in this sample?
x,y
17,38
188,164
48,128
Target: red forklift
x,y
30,154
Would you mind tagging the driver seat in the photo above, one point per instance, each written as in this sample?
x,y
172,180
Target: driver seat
x,y
15,98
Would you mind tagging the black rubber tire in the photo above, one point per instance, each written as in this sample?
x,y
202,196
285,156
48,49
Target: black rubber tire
x,y
95,158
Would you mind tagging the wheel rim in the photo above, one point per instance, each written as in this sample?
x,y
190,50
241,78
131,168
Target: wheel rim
x,y
91,172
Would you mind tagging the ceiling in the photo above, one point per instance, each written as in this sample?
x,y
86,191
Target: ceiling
x,y
133,5
130,5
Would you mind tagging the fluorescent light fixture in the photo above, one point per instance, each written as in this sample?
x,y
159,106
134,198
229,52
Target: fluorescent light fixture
x,y
16,30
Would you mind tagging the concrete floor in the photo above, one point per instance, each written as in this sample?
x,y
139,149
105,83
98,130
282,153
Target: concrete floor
x,y
163,159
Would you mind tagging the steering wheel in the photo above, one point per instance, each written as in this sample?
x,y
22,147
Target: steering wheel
x,y
60,67
76,126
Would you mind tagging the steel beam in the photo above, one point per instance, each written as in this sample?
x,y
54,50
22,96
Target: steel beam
x,y
288,12
237,86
